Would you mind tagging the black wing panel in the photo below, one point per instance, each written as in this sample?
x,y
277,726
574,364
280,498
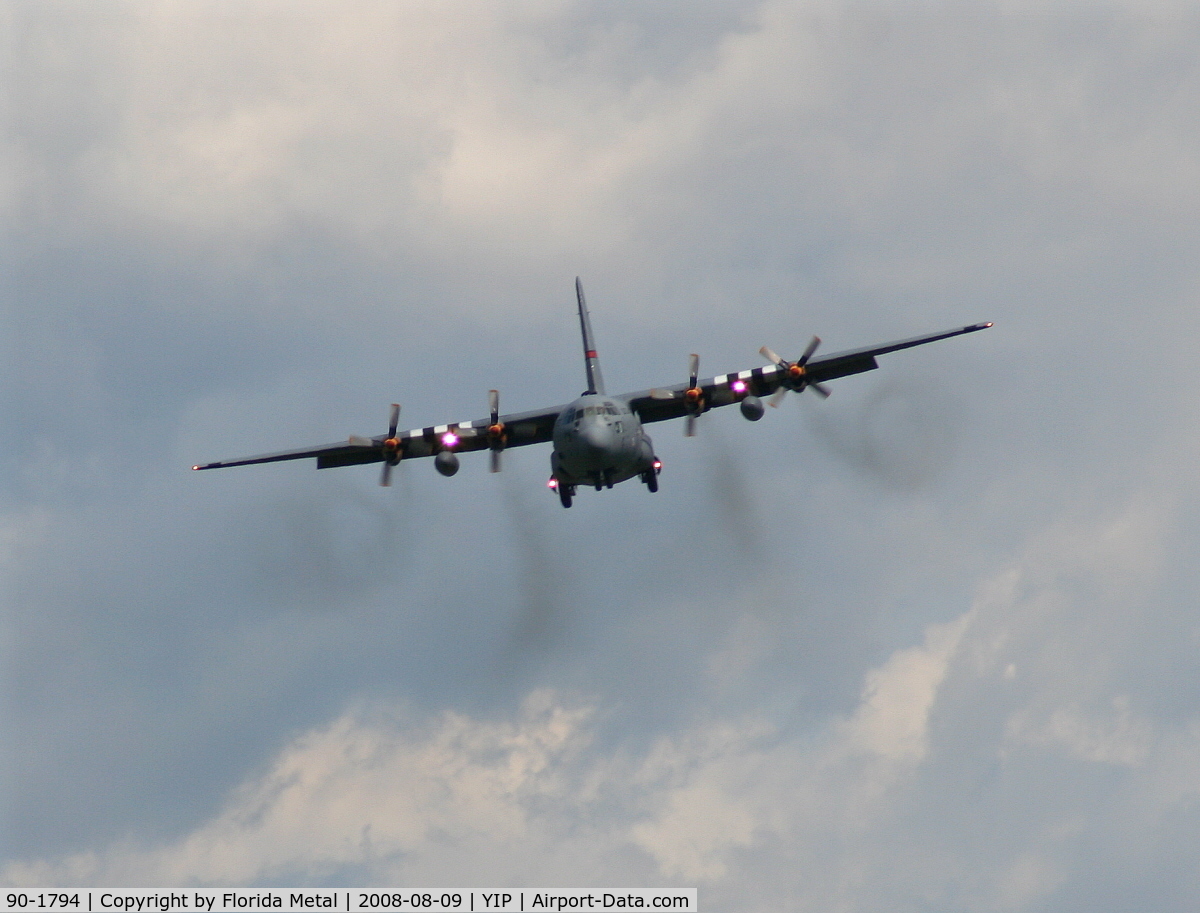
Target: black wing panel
x,y
843,367
346,456
664,403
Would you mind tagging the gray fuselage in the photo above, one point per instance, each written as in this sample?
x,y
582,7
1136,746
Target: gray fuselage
x,y
598,440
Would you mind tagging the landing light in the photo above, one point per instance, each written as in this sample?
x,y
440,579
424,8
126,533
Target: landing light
x,y
449,439
658,464
738,386
553,483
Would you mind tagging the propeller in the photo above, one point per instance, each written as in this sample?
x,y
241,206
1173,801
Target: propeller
x,y
390,446
693,396
795,375
497,434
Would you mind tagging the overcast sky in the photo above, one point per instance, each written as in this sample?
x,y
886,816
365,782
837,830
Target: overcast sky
x,y
931,644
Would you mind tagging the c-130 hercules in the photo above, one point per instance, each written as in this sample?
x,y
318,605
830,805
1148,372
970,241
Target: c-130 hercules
x,y
599,439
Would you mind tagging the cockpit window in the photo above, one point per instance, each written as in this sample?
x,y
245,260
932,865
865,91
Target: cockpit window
x,y
596,409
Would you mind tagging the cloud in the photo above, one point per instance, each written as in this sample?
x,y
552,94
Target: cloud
x,y
1111,738
380,794
867,805
893,719
366,790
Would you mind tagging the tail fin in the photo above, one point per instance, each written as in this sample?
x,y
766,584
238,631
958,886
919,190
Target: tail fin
x,y
595,381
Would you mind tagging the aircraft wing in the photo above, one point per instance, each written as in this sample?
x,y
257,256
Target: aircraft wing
x,y
668,402
536,427
520,429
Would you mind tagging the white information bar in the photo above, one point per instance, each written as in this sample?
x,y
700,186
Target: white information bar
x,y
341,900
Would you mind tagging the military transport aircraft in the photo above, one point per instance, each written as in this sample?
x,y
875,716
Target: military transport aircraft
x,y
598,439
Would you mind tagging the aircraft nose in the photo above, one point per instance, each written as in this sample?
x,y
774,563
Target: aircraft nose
x,y
597,436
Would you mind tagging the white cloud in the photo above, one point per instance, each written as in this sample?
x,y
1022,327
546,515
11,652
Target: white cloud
x,y
893,718
378,795
549,135
1114,737
363,791
705,790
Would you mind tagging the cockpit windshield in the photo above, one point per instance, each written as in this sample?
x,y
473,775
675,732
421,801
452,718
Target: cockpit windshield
x,y
574,414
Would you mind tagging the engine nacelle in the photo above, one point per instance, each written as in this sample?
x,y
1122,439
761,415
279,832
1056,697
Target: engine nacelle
x,y
446,462
752,408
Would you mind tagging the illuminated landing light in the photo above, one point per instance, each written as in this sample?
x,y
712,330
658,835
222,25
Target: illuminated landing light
x,y
738,386
657,465
449,439
552,484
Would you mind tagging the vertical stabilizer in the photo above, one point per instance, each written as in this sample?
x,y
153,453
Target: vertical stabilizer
x,y
595,381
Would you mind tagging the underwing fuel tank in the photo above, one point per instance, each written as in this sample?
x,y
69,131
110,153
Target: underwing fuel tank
x,y
446,462
752,408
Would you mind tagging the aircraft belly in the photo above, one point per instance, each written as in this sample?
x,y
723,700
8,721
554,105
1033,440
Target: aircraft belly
x,y
575,473
578,463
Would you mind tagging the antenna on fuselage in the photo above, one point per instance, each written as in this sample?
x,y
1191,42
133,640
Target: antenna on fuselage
x,y
595,381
